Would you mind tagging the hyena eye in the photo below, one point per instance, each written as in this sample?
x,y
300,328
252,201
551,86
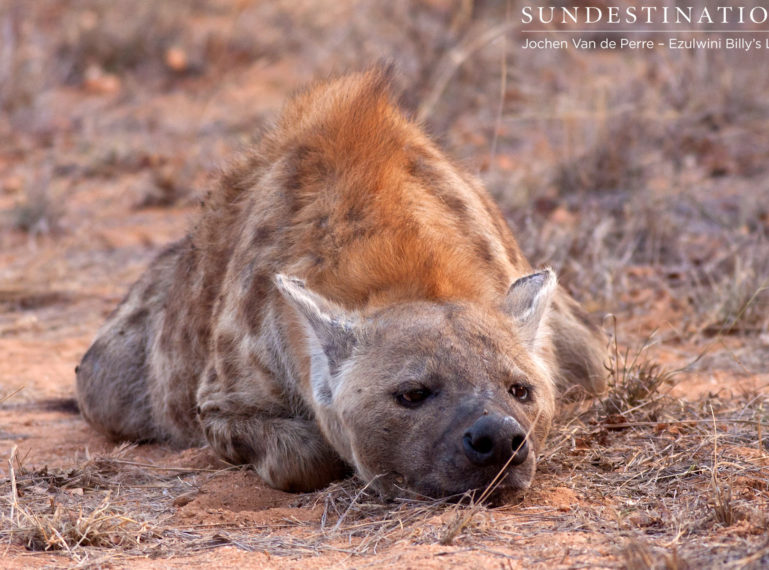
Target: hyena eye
x,y
413,398
520,392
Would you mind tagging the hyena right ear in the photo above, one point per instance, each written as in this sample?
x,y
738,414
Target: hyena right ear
x,y
332,333
527,301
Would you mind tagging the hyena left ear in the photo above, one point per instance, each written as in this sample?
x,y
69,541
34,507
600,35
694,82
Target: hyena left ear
x,y
332,333
527,301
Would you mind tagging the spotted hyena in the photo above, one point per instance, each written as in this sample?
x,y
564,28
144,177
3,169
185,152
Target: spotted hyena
x,y
348,299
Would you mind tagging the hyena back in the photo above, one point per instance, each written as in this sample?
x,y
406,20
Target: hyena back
x,y
349,299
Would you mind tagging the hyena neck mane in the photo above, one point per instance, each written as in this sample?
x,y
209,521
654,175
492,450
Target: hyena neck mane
x,y
370,211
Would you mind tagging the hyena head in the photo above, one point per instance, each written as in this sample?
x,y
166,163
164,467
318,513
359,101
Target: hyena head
x,y
435,398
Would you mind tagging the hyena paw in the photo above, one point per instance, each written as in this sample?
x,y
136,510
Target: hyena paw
x,y
288,453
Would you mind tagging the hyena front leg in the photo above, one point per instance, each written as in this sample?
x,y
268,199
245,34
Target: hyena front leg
x,y
289,453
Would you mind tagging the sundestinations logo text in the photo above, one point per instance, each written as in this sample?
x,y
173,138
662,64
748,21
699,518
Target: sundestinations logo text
x,y
586,15
646,27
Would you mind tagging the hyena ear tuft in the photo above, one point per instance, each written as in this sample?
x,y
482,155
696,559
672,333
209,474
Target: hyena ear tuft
x,y
527,301
332,332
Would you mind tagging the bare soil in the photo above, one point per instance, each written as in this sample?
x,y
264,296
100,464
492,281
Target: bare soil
x,y
115,120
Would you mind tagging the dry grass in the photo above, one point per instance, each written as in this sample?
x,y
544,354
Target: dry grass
x,y
104,502
671,473
634,381
733,293
67,529
61,524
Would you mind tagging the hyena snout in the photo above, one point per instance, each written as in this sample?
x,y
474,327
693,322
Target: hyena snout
x,y
493,439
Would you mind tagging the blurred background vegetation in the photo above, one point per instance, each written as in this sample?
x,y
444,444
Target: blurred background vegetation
x,y
641,177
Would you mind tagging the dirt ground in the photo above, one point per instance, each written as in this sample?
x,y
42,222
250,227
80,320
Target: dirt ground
x,y
643,180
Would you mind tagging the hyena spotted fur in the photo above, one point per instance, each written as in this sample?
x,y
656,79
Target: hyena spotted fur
x,y
348,299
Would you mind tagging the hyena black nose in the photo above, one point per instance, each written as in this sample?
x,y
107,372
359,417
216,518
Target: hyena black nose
x,y
492,439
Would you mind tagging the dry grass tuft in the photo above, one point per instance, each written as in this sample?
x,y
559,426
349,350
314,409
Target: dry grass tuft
x,y
635,381
57,526
732,294
84,507
67,529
